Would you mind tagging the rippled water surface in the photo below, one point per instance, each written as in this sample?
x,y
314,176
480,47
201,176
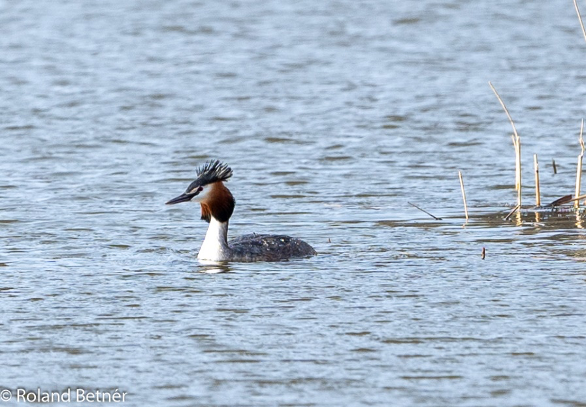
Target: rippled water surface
x,y
334,115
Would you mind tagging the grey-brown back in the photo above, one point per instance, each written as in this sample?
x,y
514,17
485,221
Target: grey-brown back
x,y
271,248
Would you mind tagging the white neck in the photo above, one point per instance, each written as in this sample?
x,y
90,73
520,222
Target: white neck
x,y
215,245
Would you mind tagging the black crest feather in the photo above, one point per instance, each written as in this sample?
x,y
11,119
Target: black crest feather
x,y
211,172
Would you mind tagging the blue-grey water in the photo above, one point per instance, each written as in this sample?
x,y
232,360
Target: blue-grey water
x,y
333,115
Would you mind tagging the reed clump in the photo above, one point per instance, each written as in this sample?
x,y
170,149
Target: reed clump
x,y
517,147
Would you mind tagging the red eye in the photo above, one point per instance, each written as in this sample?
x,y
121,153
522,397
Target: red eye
x,y
199,189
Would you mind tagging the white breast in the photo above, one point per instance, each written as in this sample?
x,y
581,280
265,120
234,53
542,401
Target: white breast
x,y
215,245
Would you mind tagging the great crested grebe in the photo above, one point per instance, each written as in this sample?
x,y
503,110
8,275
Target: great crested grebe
x,y
217,205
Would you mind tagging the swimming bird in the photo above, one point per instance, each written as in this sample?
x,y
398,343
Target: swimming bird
x,y
217,206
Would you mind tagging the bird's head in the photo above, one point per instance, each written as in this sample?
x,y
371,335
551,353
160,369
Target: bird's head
x,y
208,190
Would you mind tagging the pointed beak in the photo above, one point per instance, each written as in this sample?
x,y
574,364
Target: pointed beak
x,y
180,199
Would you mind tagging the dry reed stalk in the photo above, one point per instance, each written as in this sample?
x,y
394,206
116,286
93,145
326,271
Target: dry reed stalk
x,y
537,191
463,194
580,19
555,168
578,181
579,169
512,212
421,209
516,145
518,170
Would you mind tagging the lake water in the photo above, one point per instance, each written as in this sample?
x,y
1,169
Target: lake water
x,y
333,115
